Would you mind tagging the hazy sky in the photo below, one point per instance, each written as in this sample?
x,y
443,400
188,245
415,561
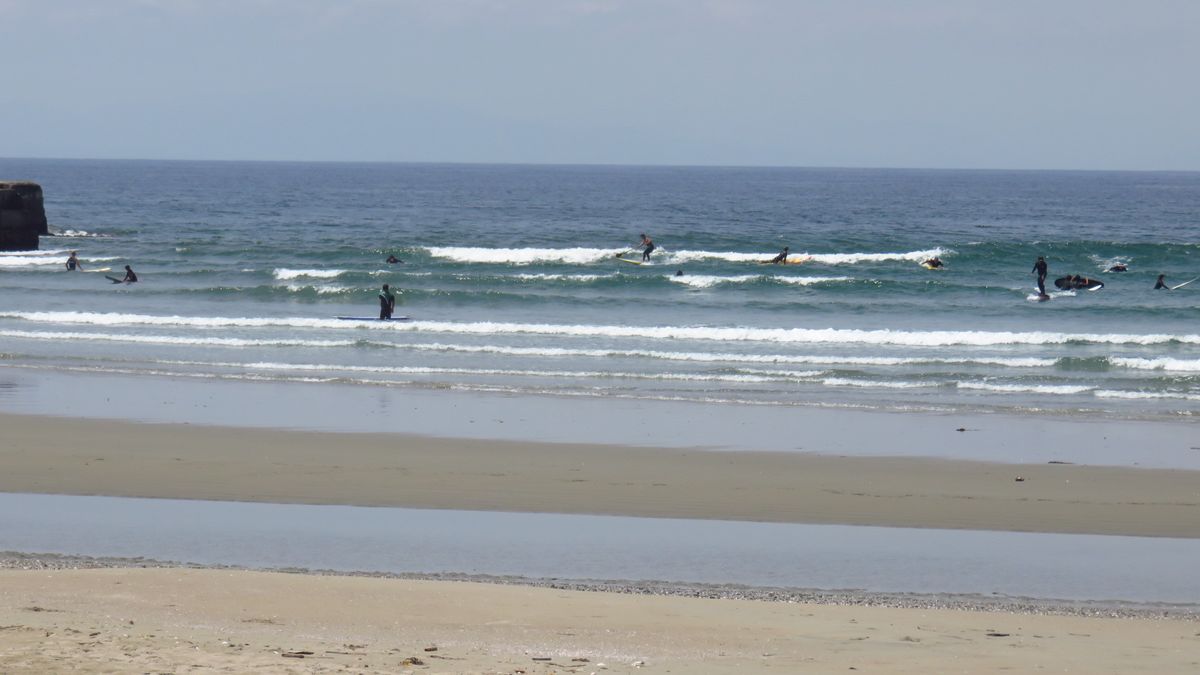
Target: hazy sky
x,y
1091,84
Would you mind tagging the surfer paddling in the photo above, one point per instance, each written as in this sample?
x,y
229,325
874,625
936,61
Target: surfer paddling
x,y
781,258
933,262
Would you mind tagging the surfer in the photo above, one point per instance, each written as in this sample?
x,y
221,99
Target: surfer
x,y
678,273
1161,284
130,277
1041,268
1119,267
392,260
933,262
781,258
387,303
649,244
73,263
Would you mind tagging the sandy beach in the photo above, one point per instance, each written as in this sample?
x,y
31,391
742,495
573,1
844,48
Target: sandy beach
x,y
116,458
185,620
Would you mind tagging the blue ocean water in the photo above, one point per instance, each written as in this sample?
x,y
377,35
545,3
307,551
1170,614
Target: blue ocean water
x,y
511,279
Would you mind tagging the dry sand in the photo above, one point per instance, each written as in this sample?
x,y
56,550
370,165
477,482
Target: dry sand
x,y
96,457
177,620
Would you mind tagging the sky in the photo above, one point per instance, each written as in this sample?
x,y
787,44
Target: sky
x,y
1019,84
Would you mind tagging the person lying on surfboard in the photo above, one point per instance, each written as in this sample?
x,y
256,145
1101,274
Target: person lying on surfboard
x,y
933,262
781,258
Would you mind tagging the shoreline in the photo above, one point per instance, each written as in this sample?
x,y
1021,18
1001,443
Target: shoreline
x,y
56,455
996,603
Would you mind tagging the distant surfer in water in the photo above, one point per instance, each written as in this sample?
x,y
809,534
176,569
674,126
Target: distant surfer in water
x,y
1041,268
933,262
73,263
781,258
387,303
392,260
1161,284
130,277
649,244
1119,267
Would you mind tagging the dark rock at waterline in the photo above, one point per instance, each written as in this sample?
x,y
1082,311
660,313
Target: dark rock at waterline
x,y
22,215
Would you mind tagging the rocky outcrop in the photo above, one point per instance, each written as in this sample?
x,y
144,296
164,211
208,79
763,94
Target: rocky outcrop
x,y
22,215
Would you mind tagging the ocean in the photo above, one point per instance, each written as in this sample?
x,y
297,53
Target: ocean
x,y
512,284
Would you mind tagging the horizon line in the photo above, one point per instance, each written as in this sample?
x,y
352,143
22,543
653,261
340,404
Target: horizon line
x,y
591,164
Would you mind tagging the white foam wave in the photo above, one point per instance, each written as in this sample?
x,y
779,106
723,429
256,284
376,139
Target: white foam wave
x,y
823,258
174,340
75,233
321,290
562,277
1025,388
1144,395
523,256
882,384
708,281
1180,365
283,274
705,333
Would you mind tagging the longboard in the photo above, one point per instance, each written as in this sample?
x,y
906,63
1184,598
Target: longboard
x,y
1184,283
100,269
371,318
632,262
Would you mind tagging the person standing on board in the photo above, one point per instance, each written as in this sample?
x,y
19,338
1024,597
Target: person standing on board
x,y
1041,268
387,303
1161,284
73,263
649,244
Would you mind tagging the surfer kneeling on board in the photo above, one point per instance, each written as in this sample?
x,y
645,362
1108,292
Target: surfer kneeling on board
x,y
73,263
387,303
1161,284
649,244
781,258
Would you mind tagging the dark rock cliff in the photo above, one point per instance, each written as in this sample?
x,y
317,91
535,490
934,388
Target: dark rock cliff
x,y
22,215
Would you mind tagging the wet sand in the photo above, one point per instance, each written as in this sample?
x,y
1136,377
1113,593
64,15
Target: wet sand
x,y
170,620
99,457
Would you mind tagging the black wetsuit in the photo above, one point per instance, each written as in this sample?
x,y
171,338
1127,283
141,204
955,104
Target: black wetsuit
x,y
71,264
130,277
1040,267
387,304
648,250
1160,285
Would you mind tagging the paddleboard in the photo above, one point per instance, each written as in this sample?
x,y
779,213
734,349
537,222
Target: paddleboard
x,y
632,262
371,318
1184,283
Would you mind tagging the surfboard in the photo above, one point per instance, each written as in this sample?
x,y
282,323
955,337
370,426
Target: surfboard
x,y
371,318
114,279
632,262
1184,283
932,267
100,269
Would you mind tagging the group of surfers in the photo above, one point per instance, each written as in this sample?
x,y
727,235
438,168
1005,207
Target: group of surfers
x,y
73,265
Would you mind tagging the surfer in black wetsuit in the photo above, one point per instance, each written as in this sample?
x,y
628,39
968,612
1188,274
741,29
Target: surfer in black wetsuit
x,y
781,258
649,244
1161,284
1119,267
1041,268
387,303
73,263
933,262
130,277
391,260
